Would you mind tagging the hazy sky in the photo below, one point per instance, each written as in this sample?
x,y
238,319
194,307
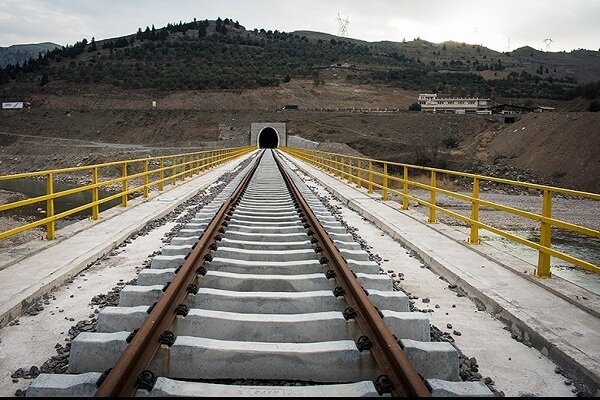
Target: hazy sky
x,y
571,24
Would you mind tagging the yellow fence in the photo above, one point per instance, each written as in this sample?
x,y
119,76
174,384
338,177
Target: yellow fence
x,y
154,173
376,175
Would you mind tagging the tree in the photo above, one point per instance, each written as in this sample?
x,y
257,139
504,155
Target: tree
x,y
414,107
201,30
93,46
594,106
45,79
451,142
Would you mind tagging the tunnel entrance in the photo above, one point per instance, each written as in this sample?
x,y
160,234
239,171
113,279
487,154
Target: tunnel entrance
x,y
268,138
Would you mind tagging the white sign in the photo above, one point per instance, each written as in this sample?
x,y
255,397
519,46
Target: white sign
x,y
12,105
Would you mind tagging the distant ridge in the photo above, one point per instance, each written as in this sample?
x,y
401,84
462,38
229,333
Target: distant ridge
x,y
21,52
224,55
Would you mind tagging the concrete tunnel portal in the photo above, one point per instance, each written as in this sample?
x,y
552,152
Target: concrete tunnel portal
x,y
268,138
268,135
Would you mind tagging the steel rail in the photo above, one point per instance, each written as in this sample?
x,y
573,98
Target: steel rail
x,y
393,363
122,380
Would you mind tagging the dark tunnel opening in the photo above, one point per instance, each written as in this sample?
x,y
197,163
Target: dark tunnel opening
x,y
268,138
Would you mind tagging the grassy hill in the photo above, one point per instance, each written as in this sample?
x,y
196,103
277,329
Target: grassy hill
x,y
222,54
22,52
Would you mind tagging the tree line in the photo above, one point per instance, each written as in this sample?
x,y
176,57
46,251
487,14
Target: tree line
x,y
222,54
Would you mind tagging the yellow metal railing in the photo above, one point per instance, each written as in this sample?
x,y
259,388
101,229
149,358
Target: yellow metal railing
x,y
373,174
178,167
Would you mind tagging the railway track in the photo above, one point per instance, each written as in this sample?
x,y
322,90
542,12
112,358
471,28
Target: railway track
x,y
262,293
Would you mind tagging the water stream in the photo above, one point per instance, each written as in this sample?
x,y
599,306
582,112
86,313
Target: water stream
x,y
587,249
37,187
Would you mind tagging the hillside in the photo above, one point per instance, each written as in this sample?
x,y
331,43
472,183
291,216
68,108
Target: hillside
x,y
580,66
22,52
538,142
560,148
211,79
222,54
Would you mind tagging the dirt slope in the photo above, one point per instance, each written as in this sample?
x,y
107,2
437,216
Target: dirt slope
x,y
336,93
562,146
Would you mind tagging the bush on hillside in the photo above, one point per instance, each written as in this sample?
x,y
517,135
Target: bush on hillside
x,y
414,107
451,142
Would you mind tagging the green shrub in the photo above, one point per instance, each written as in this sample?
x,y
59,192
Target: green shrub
x,y
414,107
451,142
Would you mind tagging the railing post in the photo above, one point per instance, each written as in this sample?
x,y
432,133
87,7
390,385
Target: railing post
x,y
405,189
183,168
50,226
474,237
173,171
384,194
146,180
358,174
161,175
432,193
95,194
124,183
370,188
543,269
349,171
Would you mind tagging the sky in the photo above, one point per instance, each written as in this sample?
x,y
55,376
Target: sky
x,y
500,24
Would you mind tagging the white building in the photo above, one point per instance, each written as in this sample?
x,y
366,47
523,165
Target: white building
x,y
432,104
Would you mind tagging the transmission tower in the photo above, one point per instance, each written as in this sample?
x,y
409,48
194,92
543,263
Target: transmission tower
x,y
508,46
342,26
548,43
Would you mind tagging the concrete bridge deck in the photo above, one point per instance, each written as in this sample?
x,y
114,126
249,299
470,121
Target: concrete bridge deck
x,y
52,263
559,318
548,313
